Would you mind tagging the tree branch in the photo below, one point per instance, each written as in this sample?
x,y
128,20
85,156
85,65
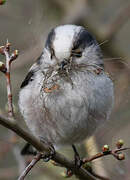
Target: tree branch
x,y
58,158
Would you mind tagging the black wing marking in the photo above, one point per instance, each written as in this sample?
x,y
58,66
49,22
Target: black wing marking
x,y
34,69
27,79
50,39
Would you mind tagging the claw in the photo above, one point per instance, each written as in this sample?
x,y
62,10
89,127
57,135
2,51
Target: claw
x,y
78,160
47,157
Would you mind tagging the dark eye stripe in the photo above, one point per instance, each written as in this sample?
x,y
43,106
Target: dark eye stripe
x,y
83,39
50,39
49,42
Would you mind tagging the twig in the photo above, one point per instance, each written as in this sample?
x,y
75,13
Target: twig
x,y
30,166
5,50
100,169
5,68
9,94
115,153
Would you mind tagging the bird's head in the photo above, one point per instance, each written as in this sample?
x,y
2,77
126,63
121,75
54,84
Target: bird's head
x,y
71,42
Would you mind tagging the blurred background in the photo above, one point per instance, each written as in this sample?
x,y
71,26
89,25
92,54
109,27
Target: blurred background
x,y
26,25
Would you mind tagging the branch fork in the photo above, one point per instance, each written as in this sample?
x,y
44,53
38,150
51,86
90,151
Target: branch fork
x,y
6,68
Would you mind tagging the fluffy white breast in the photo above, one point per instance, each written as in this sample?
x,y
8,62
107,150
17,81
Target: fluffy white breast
x,y
63,41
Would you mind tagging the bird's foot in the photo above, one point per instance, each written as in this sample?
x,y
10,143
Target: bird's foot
x,y
48,156
77,159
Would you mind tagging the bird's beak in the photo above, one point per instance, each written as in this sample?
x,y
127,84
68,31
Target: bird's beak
x,y
63,64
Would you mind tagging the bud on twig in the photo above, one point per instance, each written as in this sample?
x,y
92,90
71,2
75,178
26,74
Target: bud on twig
x,y
14,55
7,46
67,174
2,67
121,156
105,148
2,50
119,144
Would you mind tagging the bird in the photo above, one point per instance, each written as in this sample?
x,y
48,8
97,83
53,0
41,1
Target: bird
x,y
67,95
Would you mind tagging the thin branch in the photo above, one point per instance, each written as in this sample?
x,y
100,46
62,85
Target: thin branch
x,y
30,166
6,69
115,153
9,60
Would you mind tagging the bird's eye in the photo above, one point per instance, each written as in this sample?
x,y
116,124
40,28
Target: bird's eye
x,y
76,52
